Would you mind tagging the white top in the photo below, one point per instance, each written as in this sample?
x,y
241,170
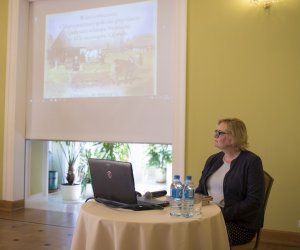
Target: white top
x,y
215,184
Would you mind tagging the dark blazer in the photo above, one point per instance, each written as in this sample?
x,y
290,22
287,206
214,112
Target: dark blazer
x,y
243,188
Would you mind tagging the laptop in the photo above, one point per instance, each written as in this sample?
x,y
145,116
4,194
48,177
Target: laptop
x,y
113,185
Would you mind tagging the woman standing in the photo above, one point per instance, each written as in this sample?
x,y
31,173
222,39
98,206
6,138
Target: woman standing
x,y
234,177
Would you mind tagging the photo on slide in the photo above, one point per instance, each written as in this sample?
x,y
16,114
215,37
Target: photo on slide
x,y
103,52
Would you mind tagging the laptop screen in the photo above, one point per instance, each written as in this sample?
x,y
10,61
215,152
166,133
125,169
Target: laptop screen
x,y
113,180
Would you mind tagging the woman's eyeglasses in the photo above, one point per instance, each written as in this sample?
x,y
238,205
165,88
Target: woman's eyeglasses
x,y
219,132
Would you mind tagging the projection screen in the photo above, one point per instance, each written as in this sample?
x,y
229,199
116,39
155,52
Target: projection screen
x,y
102,70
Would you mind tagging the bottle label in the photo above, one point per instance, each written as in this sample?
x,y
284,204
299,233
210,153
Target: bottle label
x,y
189,193
177,193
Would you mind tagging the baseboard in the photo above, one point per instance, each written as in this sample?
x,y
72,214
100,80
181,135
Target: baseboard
x,y
280,238
10,206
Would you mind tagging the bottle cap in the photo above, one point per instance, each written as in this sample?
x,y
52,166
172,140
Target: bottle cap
x,y
176,177
188,177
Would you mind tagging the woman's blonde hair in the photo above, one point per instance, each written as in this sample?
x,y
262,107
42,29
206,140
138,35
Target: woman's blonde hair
x,y
237,129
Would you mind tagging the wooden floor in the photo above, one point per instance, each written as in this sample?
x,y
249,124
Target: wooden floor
x,y
34,229
264,246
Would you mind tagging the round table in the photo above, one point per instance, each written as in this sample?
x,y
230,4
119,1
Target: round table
x,y
103,228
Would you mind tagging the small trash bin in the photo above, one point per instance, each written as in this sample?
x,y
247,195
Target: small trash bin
x,y
53,180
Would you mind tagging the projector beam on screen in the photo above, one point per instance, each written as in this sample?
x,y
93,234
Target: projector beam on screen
x,y
106,51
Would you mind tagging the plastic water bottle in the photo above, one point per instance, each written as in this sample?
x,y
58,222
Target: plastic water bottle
x,y
176,189
188,198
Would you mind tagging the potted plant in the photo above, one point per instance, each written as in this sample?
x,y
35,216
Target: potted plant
x,y
109,151
84,171
112,151
159,157
71,150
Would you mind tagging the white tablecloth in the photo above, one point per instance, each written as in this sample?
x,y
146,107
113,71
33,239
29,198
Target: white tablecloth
x,y
102,228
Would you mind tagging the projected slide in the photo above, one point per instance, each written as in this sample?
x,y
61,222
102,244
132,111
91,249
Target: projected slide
x,y
108,51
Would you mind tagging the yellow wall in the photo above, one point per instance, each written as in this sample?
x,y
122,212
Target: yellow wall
x,y
3,36
36,171
245,62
